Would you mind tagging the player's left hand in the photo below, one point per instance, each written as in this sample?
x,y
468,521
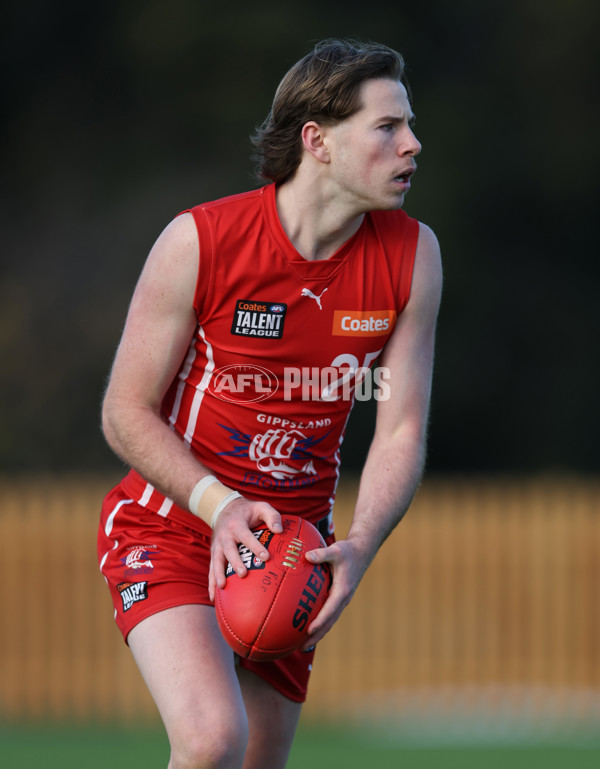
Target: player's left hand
x,y
234,527
348,564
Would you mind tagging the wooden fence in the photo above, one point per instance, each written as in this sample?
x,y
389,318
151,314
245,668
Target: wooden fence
x,y
487,587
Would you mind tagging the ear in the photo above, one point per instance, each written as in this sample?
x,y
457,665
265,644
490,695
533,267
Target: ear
x,y
313,139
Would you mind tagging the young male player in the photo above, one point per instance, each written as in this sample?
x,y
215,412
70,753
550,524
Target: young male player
x,y
252,322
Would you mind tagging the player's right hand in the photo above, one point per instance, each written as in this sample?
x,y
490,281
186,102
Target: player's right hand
x,y
233,527
348,564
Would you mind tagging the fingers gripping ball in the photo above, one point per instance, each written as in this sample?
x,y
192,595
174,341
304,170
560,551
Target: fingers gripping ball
x,y
266,614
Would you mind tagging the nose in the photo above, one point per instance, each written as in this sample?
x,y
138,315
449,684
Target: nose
x,y
410,145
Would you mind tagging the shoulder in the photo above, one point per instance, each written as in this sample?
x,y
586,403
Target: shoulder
x,y
182,233
229,216
176,244
398,224
397,233
427,273
427,239
393,223
230,203
173,261
428,250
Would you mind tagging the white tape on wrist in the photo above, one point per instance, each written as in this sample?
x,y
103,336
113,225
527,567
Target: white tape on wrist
x,y
223,503
198,491
208,504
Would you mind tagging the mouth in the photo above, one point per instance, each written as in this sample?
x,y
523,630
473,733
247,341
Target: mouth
x,y
404,178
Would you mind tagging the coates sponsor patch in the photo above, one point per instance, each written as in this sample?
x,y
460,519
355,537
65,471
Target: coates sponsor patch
x,y
254,318
251,561
363,322
132,592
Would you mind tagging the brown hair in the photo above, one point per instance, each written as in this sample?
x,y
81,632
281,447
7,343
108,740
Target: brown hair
x,y
323,86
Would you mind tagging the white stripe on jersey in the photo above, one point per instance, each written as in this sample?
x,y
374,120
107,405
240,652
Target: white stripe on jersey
x,y
111,518
200,389
149,489
338,459
165,507
185,372
145,498
108,528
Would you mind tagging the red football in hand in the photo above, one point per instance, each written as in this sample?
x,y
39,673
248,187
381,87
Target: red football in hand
x,y
266,614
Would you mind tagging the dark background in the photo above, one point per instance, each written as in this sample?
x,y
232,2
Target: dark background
x,y
118,115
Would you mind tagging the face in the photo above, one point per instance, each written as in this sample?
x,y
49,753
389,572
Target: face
x,y
372,153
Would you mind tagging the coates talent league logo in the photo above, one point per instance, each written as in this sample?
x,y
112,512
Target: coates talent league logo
x,y
264,320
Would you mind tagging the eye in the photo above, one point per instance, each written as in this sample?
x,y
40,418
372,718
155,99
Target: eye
x,y
387,127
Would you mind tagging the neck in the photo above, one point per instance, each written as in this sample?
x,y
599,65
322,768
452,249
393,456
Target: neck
x,y
315,225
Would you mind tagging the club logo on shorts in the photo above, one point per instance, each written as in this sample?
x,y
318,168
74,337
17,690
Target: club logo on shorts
x,y
132,592
137,561
258,319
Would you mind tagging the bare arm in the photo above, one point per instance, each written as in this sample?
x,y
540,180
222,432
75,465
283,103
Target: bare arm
x,y
395,461
158,331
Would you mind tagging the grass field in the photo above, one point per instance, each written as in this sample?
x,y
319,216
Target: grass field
x,y
64,747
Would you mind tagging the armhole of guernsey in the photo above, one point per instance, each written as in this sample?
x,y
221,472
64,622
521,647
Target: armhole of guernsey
x,y
407,261
205,278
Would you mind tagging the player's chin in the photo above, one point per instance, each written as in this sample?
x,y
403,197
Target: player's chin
x,y
391,202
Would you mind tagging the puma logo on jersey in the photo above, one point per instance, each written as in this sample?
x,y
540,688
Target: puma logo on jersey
x,y
363,322
309,293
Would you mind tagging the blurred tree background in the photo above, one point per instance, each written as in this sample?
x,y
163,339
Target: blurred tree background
x,y
117,116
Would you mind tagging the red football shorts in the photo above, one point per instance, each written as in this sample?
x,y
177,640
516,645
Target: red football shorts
x,y
151,563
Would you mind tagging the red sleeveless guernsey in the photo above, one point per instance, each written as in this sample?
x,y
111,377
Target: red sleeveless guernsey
x,y
280,352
